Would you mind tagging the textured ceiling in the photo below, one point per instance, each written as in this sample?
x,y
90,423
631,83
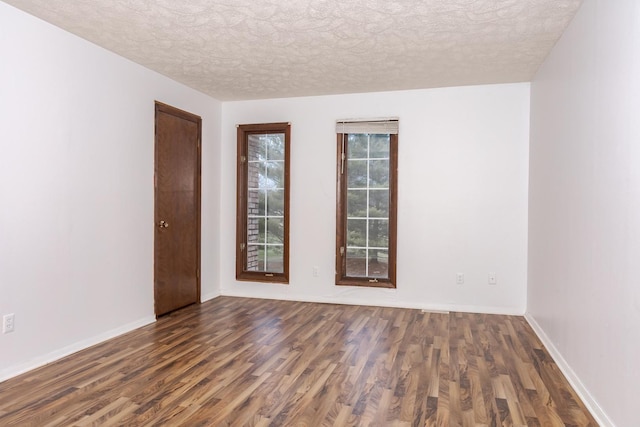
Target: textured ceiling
x,y
250,49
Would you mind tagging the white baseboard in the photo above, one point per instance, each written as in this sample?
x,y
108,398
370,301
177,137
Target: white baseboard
x,y
209,296
14,371
37,362
390,303
591,404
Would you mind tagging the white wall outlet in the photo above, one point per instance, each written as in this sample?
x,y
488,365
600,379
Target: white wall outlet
x,y
8,323
493,279
459,278
316,271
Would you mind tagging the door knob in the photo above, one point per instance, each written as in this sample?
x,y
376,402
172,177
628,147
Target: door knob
x,y
163,224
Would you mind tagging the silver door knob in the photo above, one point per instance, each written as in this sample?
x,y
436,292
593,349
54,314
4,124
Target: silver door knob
x,y
163,224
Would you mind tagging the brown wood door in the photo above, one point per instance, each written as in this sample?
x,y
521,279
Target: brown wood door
x,y
177,209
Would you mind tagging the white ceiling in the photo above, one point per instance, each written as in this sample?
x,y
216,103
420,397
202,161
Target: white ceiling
x,y
250,49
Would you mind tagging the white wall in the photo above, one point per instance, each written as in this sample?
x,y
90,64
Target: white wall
x,y
584,206
76,190
463,166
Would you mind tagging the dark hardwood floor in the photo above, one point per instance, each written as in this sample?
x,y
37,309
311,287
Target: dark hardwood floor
x,y
246,362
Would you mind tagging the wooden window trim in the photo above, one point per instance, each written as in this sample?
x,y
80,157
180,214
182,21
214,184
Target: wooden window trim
x,y
243,131
341,220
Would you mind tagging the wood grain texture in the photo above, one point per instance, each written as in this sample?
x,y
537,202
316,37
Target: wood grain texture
x,y
177,203
250,362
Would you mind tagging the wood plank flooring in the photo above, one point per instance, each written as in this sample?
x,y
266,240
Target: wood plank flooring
x,y
250,362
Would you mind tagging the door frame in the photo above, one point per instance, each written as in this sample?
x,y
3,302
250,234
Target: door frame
x,y
168,109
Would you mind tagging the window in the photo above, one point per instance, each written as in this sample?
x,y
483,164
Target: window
x,y
367,203
262,229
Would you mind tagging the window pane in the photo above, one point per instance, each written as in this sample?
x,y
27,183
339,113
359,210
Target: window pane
x,y
378,233
357,203
378,263
262,231
275,203
255,203
275,146
379,146
356,262
275,230
358,145
379,203
379,173
255,230
254,174
275,259
274,175
356,173
256,149
357,232
255,254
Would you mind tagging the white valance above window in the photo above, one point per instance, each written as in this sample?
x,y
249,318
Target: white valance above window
x,y
376,126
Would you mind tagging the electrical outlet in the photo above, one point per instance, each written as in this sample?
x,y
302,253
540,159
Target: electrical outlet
x,y
493,279
459,278
8,323
316,271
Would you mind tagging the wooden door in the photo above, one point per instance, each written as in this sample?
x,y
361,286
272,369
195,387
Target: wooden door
x,y
177,209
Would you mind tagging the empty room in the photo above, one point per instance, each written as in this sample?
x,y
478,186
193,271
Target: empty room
x,y
320,213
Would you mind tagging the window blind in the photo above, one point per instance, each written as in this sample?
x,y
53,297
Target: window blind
x,y
375,126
